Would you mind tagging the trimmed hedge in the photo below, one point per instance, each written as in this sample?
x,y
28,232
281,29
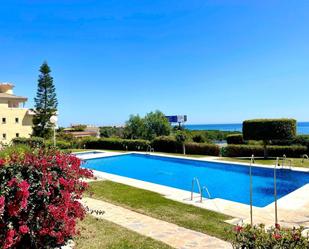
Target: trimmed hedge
x,y
170,145
117,144
269,129
235,139
166,144
202,149
61,144
256,150
32,141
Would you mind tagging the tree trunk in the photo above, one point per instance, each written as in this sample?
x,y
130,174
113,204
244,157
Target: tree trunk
x,y
265,149
184,148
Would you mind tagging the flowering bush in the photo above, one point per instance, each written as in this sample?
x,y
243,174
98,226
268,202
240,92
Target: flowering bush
x,y
39,195
248,237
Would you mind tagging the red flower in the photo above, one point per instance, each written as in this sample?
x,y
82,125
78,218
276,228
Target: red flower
x,y
9,240
24,229
2,162
24,186
238,228
12,182
277,236
45,202
2,204
277,226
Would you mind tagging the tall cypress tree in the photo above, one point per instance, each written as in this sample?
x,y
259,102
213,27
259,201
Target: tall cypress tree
x,y
45,103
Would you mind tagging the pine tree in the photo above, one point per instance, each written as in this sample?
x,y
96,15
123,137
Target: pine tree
x,y
45,103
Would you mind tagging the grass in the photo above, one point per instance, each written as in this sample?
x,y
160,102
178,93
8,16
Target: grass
x,y
296,162
98,233
157,206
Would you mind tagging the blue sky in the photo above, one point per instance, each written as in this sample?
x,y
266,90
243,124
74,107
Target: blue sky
x,y
216,61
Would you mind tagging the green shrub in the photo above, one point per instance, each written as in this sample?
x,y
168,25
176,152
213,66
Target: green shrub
x,y
112,131
256,150
276,237
117,144
198,138
32,142
166,144
60,144
202,149
82,142
235,139
298,140
169,144
269,129
15,149
211,135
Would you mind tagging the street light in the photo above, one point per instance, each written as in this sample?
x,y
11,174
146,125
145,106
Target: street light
x,y
54,119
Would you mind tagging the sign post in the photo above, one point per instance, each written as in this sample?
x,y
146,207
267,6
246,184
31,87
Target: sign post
x,y
180,119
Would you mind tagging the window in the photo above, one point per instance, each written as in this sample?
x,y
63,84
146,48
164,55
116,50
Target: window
x,y
17,134
3,120
16,120
4,136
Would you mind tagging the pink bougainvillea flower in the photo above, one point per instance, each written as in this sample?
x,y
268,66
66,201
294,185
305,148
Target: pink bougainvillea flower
x,y
2,162
2,204
238,228
12,182
45,203
277,236
24,229
9,240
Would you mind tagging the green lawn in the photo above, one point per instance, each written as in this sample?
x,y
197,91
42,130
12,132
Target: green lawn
x,y
157,206
98,234
296,162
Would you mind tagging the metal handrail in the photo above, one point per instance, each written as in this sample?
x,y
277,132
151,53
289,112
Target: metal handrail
x,y
149,149
251,190
195,180
290,161
283,160
207,191
275,190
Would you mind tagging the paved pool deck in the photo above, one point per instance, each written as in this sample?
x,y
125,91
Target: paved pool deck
x,y
168,233
293,209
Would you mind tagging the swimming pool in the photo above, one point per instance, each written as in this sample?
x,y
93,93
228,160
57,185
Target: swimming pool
x,y
223,180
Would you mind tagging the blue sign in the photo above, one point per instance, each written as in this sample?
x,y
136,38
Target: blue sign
x,y
177,118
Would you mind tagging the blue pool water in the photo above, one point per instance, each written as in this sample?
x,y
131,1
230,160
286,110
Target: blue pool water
x,y
226,181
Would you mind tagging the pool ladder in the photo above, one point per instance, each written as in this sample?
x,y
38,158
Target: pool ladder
x,y
149,149
284,159
201,190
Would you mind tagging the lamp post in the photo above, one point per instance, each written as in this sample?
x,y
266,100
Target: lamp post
x,y
53,120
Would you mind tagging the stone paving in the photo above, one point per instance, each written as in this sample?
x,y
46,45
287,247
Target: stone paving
x,y
171,234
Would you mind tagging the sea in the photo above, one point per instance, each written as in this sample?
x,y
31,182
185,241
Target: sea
x,y
302,127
